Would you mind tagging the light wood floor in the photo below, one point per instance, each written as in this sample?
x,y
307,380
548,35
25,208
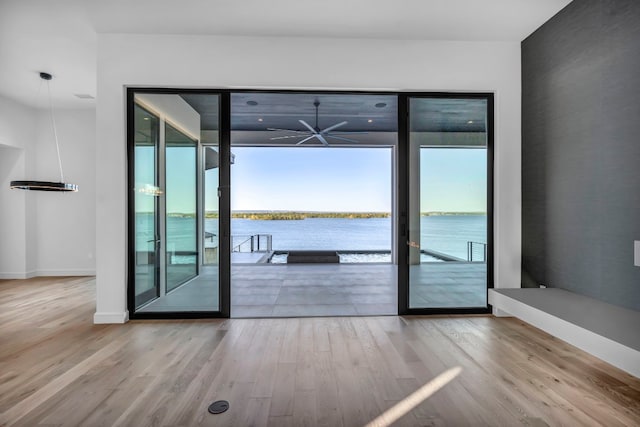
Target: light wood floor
x,y
57,368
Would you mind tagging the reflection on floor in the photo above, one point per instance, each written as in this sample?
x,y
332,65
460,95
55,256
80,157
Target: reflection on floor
x,y
283,290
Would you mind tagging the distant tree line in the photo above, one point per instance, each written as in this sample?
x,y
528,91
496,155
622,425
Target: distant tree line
x,y
288,216
303,215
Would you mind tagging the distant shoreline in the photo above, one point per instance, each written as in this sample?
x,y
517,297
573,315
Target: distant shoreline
x,y
296,215
300,215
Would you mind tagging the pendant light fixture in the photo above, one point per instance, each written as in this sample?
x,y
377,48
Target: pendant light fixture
x,y
47,185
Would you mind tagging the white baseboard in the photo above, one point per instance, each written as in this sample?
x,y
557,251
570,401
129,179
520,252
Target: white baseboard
x,y
66,273
106,317
18,276
500,313
41,273
619,355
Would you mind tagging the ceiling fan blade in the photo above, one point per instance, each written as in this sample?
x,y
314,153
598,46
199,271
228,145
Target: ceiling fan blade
x,y
308,126
288,130
346,132
341,138
321,138
302,135
306,139
329,129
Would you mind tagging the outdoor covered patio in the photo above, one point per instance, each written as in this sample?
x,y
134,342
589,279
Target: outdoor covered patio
x,y
307,290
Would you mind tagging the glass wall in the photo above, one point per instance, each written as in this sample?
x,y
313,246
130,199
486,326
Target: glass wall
x,y
211,205
175,167
332,173
146,193
180,207
448,222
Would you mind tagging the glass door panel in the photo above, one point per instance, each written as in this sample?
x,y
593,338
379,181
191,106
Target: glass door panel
x,y
211,208
448,202
174,139
181,203
147,238
211,221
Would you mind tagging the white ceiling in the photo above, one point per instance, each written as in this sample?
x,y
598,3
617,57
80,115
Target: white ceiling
x,y
60,36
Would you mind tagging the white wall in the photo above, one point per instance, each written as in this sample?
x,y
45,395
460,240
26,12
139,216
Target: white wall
x,y
65,222
12,216
309,63
17,133
44,233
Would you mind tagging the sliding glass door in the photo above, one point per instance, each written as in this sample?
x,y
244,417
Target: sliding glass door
x,y
181,207
175,168
180,185
448,202
146,257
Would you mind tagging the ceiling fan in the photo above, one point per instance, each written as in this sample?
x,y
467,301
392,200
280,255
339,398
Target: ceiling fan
x,y
315,131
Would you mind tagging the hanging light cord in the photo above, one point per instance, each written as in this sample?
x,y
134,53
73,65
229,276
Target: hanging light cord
x,y
55,132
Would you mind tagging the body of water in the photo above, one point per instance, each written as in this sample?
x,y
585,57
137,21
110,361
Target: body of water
x,y
446,234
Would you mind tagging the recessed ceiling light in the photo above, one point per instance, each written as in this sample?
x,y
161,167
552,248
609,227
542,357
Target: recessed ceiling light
x,y
252,103
145,118
470,122
381,104
370,121
260,119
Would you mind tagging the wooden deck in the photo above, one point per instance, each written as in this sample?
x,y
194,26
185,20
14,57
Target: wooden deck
x,y
58,369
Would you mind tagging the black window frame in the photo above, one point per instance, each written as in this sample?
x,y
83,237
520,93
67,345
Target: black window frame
x,y
402,192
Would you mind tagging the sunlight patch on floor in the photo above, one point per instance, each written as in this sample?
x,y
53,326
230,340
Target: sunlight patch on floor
x,y
403,407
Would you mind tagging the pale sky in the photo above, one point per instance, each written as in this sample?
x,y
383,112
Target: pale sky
x,y
352,179
453,180
329,179
311,179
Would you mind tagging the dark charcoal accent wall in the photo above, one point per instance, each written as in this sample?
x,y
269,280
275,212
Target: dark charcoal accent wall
x,y
581,151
